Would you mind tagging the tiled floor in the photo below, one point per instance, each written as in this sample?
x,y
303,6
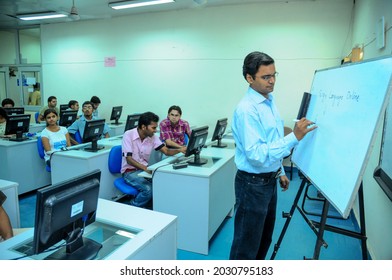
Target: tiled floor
x,y
298,242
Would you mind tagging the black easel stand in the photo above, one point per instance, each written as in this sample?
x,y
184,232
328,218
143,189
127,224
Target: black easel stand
x,y
322,226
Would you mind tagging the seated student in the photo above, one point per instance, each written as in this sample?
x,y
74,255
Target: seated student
x,y
173,128
78,125
3,121
73,105
137,145
96,102
7,103
52,104
54,137
5,224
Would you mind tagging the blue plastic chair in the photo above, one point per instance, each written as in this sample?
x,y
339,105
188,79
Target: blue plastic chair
x,y
36,115
78,137
41,152
114,165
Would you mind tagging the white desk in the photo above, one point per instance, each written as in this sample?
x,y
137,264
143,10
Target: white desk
x,y
201,197
36,127
11,205
116,130
156,239
22,164
71,163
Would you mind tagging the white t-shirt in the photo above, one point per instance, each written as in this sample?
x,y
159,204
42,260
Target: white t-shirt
x,y
57,140
2,128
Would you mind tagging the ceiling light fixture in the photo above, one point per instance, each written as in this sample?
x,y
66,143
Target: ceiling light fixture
x,y
138,3
43,15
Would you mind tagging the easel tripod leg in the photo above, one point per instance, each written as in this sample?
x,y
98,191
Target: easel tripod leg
x,y
288,217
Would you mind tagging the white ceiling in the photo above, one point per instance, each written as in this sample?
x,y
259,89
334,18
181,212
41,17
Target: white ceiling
x,y
97,9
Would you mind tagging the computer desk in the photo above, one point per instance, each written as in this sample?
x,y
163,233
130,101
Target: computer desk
x,y
201,197
116,130
22,164
76,161
154,234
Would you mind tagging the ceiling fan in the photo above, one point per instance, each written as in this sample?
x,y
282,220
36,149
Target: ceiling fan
x,y
73,14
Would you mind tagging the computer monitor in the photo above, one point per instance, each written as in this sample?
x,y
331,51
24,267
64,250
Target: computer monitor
x,y
219,130
14,111
63,107
17,124
68,117
132,121
196,143
63,211
116,114
92,133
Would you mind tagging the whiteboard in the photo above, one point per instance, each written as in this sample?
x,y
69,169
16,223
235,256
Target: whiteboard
x,y
346,104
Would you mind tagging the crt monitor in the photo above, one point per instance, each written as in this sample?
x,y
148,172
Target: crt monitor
x,y
93,131
68,117
196,143
63,211
17,124
219,130
116,114
132,121
14,111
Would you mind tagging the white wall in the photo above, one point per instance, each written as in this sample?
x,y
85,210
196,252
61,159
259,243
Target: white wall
x,y
378,208
193,58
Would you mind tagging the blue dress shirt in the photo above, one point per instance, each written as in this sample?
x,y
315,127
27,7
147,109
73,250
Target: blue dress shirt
x,y
259,136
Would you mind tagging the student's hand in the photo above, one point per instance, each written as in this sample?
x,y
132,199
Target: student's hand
x,y
302,127
183,149
284,182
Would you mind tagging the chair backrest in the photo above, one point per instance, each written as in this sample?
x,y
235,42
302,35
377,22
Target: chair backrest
x,y
40,148
114,161
36,115
78,137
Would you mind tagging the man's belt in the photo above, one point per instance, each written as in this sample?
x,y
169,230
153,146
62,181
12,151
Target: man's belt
x,y
267,175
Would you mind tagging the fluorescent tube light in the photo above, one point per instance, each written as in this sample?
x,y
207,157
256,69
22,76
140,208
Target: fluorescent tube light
x,y
137,3
37,16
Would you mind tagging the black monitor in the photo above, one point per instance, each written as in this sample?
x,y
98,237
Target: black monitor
x,y
63,211
63,107
196,143
14,111
17,124
116,114
92,133
68,117
220,129
132,121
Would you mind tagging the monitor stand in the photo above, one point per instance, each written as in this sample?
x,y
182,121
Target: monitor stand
x,y
94,147
87,250
197,161
116,122
219,144
19,137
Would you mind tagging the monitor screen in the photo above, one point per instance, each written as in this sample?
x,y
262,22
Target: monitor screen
x,y
219,130
132,121
116,114
63,211
14,111
17,124
196,143
68,117
92,133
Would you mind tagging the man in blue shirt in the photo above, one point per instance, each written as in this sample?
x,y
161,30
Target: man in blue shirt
x,y
80,124
260,147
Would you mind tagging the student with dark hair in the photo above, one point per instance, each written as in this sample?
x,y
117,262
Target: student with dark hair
x,y
3,120
96,102
137,145
80,124
7,103
54,137
73,105
52,104
260,148
173,129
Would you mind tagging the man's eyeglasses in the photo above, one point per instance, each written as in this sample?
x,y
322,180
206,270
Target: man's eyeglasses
x,y
88,107
268,77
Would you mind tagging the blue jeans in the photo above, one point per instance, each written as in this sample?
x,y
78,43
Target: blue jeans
x,y
143,185
255,216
